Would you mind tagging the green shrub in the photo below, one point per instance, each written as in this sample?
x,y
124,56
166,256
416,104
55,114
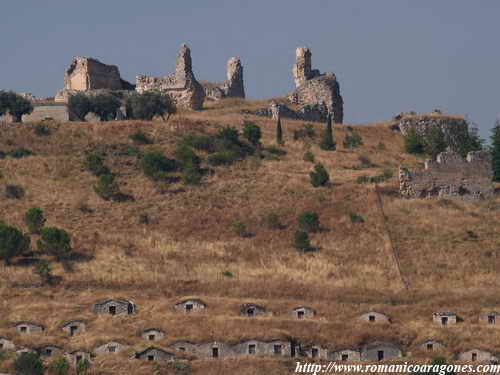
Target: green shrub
x,y
252,133
15,104
94,163
12,242
55,241
434,142
309,222
187,157
42,130
239,228
362,179
82,367
147,105
356,219
352,140
34,219
222,158
301,241
43,270
14,191
105,106
155,165
106,187
413,143
200,142
319,177
59,366
307,131
20,153
28,364
228,135
80,105
327,143
227,274
309,157
3,155
272,221
140,137
191,176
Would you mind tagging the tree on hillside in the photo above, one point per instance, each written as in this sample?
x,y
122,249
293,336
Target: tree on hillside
x,y
16,105
105,106
279,132
28,364
435,142
327,142
34,219
80,105
319,177
414,143
495,150
12,242
55,241
149,104
252,133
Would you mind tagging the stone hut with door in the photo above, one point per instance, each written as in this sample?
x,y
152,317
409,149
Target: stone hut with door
x,y
152,334
476,355
490,317
184,347
214,350
252,310
28,328
375,317
264,348
114,307
155,354
78,355
381,351
6,344
72,327
111,347
445,318
303,312
314,351
190,305
431,345
49,350
345,355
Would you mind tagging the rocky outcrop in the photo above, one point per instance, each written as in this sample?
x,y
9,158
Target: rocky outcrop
x,y
450,176
87,74
314,88
233,87
181,86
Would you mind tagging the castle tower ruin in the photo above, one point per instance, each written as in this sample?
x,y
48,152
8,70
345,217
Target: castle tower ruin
x,y
233,87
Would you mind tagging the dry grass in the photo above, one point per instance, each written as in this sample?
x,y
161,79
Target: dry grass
x,y
188,244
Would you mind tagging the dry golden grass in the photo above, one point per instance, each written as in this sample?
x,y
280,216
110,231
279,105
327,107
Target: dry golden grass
x,y
188,245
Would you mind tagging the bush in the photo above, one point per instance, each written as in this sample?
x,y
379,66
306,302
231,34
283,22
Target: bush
x,y
301,241
80,104
228,135
105,106
306,131
147,105
252,133
28,364
82,367
55,241
14,192
272,221
43,270
327,143
352,141
59,366
319,177
155,165
435,142
106,187
20,153
12,242
94,163
187,157
239,228
309,157
191,176
42,130
34,220
413,143
200,142
15,104
140,137
357,219
309,222
222,158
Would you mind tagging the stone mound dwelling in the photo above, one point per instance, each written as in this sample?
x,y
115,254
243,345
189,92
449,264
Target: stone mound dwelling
x,y
155,354
181,86
445,318
251,310
380,351
314,351
375,317
478,355
314,88
87,74
233,87
152,334
6,344
184,346
450,176
111,347
261,348
214,349
49,350
29,327
73,327
303,312
490,317
114,307
190,305
431,345
346,354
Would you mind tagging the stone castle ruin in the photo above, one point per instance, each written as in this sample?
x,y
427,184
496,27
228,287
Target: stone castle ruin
x,y
314,88
450,176
87,74
181,86
233,87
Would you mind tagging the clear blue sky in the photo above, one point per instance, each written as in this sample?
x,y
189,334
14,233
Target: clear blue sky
x,y
388,55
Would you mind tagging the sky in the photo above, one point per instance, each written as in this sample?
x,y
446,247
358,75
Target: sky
x,y
389,56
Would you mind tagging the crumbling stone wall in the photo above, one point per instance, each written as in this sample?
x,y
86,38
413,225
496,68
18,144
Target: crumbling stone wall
x,y
314,88
181,86
450,176
233,87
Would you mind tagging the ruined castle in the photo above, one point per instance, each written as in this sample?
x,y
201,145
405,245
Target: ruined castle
x,y
233,87
181,86
450,176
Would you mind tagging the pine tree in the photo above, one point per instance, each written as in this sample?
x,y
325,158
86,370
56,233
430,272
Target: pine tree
x,y
327,142
495,150
279,132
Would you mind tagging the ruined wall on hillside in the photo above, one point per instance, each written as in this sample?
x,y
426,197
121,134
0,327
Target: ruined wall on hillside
x,y
233,87
450,176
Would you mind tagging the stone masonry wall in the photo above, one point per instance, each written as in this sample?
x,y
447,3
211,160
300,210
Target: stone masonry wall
x,y
181,86
233,87
450,176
